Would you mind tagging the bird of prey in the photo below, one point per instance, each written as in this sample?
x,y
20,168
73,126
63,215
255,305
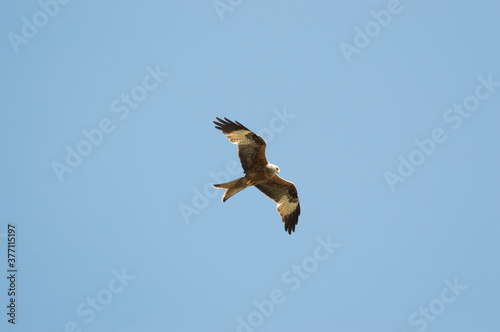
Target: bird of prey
x,y
259,173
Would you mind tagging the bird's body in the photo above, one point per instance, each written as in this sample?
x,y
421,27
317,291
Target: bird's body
x,y
259,173
252,178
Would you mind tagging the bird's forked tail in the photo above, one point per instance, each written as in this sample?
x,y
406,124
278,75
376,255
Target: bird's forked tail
x,y
232,187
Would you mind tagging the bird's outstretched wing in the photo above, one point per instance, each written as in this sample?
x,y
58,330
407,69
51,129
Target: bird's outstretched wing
x,y
285,194
251,147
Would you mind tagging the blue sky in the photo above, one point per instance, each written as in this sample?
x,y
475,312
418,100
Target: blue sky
x,y
384,114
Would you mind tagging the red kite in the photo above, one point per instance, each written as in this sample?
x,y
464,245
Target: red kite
x,y
259,173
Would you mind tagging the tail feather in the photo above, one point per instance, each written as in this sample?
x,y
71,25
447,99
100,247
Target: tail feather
x,y
232,187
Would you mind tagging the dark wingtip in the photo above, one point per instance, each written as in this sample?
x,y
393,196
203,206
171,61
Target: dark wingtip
x,y
227,126
292,220
220,122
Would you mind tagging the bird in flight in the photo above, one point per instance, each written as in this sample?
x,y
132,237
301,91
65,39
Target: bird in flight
x,y
259,173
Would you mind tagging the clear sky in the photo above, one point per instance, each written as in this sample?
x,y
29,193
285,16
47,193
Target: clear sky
x,y
385,114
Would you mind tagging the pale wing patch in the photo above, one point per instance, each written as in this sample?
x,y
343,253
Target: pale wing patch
x,y
239,137
285,207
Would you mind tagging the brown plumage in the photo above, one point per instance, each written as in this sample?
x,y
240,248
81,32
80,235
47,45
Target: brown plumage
x,y
259,173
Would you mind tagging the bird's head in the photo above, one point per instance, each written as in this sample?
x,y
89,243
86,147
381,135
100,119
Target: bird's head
x,y
275,169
